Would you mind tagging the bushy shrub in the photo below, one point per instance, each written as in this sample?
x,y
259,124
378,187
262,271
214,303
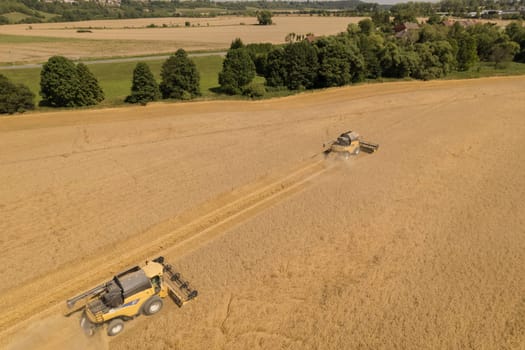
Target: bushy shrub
x,y
15,97
254,90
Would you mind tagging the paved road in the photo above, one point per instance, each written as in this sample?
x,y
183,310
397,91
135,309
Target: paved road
x,y
117,60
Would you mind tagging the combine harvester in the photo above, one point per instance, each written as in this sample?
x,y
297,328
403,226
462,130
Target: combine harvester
x,y
347,144
137,291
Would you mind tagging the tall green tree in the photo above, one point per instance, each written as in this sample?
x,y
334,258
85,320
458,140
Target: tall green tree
x,y
435,19
367,26
334,64
14,97
503,52
467,53
259,54
457,36
486,36
275,71
436,60
340,62
237,44
390,58
381,20
516,33
144,88
264,17
180,78
370,46
403,15
89,92
59,83
408,12
238,70
301,64
398,61
431,32
62,84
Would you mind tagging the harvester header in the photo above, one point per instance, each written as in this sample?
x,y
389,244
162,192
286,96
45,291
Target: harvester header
x,y
349,144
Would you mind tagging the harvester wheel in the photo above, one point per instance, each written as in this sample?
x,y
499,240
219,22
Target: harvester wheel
x,y
357,150
115,326
86,325
152,306
346,155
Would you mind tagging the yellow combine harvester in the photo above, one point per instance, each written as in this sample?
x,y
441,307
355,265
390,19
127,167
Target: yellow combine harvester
x,y
347,144
137,291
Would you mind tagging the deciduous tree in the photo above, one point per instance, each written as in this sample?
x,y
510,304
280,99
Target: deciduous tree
x,y
180,78
467,54
62,84
14,97
237,44
59,83
340,62
90,92
264,17
238,70
301,64
503,52
275,71
516,33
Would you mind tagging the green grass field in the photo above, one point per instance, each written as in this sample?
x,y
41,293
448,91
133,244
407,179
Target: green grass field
x,y
200,10
487,69
115,78
15,17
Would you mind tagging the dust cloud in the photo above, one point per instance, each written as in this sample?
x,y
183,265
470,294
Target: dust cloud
x,y
57,332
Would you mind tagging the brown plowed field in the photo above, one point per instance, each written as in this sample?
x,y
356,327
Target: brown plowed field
x,y
111,38
418,246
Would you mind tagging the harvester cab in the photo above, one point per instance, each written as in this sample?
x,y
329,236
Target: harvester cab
x,y
347,144
139,290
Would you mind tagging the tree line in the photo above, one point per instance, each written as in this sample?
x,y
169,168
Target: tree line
x,y
66,84
366,51
371,50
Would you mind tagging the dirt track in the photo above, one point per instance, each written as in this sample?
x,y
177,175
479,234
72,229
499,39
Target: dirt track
x,y
418,246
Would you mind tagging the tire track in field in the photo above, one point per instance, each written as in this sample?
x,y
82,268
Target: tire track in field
x,y
47,294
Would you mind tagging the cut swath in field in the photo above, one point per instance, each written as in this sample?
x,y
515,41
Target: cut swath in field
x,y
181,234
